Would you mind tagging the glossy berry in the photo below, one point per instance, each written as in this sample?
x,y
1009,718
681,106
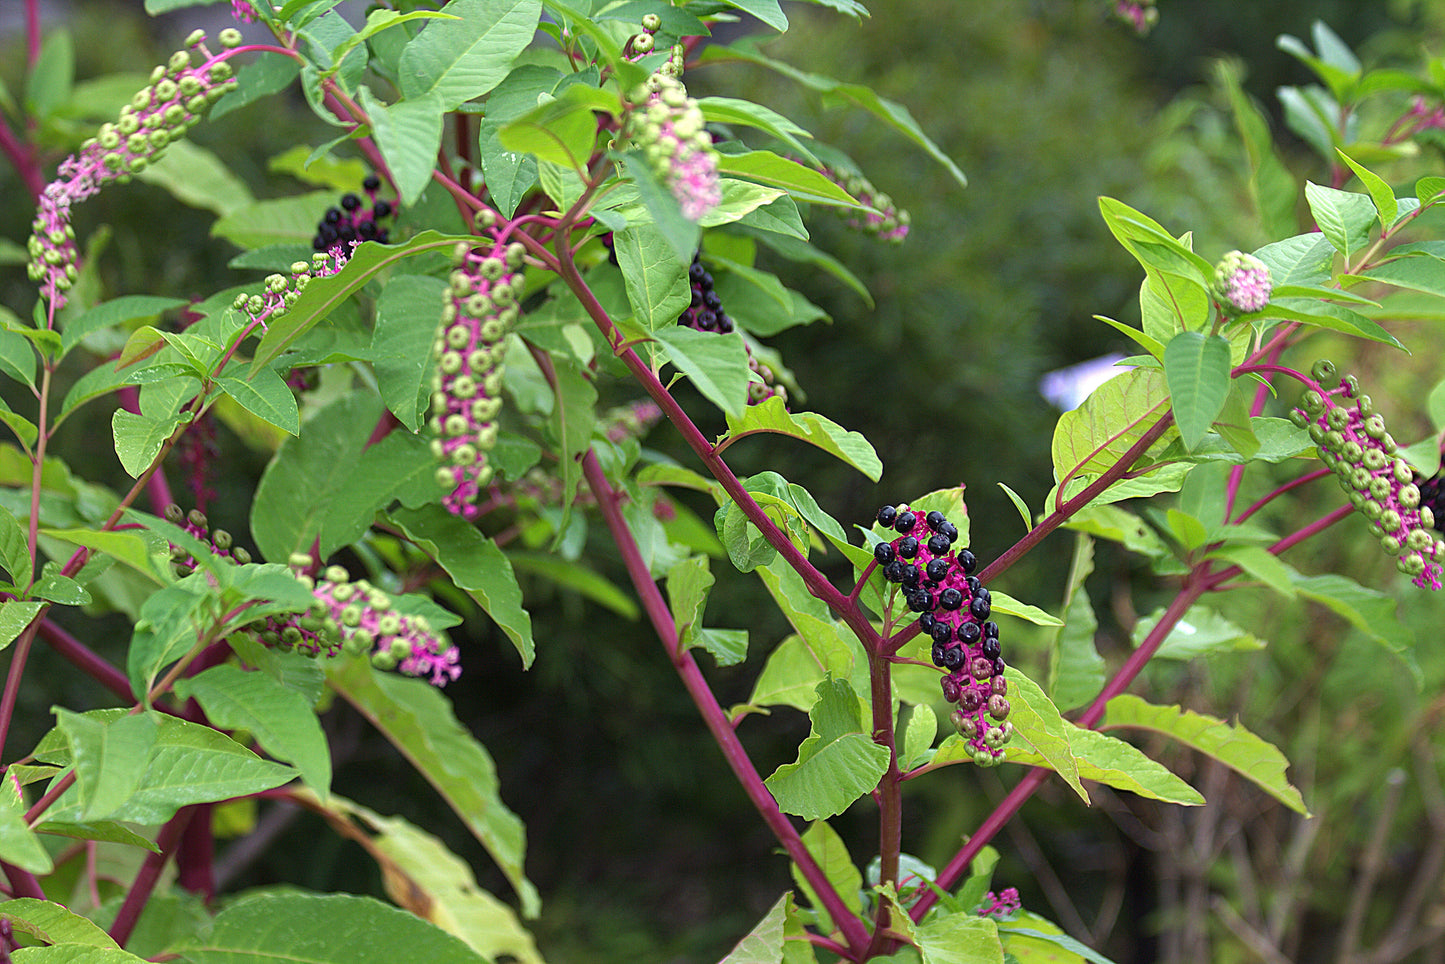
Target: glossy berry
x,y
936,654
938,545
942,633
936,569
908,547
969,633
967,560
953,658
893,572
883,552
934,519
371,183
949,531
926,622
990,629
950,599
979,608
990,647
905,522
910,575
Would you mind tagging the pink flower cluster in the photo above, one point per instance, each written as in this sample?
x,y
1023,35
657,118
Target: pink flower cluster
x,y
1242,282
1003,904
368,623
179,95
670,131
478,310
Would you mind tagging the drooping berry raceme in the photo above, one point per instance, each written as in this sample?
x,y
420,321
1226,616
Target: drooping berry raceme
x,y
1353,443
479,308
669,129
354,220
1242,283
369,624
179,95
954,609
279,292
196,524
889,223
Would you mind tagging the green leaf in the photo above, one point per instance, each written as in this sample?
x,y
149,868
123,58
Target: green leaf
x,y
764,943
894,114
959,939
420,723
105,831
1259,563
1234,746
560,129
802,183
15,550
109,756
837,763
1037,721
1380,192
797,665
1271,186
463,59
1196,369
666,213
108,314
17,357
731,110
1032,939
67,953
1201,632
1323,314
573,416
188,764
279,718
830,853
279,220
15,615
1120,765
476,565
1305,259
772,415
688,584
267,397
1417,274
716,364
138,438
1009,606
654,276
1368,610
1091,438
128,547
401,344
324,295
1076,670
577,577
195,176
769,12
408,133
1344,217
322,929
52,75
918,738
18,843
52,923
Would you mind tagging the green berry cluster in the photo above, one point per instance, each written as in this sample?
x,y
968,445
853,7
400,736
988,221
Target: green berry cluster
x,y
280,292
1354,444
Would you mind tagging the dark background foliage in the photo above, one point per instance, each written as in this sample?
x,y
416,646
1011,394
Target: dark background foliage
x,y
640,842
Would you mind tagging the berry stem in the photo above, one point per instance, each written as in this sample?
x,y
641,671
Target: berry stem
x,y
150,872
889,794
664,624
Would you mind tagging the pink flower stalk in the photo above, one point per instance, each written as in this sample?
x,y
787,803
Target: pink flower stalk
x,y
179,96
1004,904
887,221
670,131
478,310
243,11
369,624
1354,444
1242,282
1139,14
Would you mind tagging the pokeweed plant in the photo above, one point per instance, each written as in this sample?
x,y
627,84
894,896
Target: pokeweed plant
x,y
540,228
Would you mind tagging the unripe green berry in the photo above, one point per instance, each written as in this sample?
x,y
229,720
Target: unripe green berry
x,y
229,37
651,22
642,43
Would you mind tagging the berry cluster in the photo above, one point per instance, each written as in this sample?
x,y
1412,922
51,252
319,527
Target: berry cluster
x,y
954,609
179,95
643,44
478,309
279,292
196,524
1242,282
1354,444
705,313
667,126
367,623
890,222
353,221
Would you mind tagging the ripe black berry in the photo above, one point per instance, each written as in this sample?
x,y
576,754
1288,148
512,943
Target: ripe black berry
x,y
969,633
910,575
893,572
972,583
905,522
883,552
979,608
952,658
332,215
949,531
922,601
371,183
926,622
908,547
886,515
967,560
697,273
350,202
942,633
934,519
937,654
950,599
382,209
991,647
998,667
937,569
990,628
938,545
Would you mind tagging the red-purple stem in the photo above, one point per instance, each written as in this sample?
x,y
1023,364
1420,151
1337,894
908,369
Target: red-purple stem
x,y
150,873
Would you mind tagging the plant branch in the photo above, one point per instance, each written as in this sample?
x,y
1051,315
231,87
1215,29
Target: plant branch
x,y
150,872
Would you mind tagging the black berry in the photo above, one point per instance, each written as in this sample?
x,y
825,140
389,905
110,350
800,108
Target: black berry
x,y
950,599
938,545
969,633
883,552
937,569
886,515
908,547
967,560
979,608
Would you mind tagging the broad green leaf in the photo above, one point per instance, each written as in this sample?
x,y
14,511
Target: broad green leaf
x,y
1259,563
108,314
1037,721
1076,670
138,438
1201,632
1007,605
688,585
732,111
837,763
918,737
15,550
18,843
1234,424
1380,192
420,723
1305,259
1234,746
959,939
577,577
274,221
68,953
17,357
52,923
1369,610
408,134
794,669
1150,344
738,199
109,756
560,129
769,12
1417,274
423,876
322,929
1091,438
666,213
772,415
655,277
1196,369
476,565
764,943
399,467
15,615
1121,765
1429,189
324,295
1032,939
463,59
802,183
894,114
267,397
1271,186
129,547
170,626
831,855
401,344
105,831
716,364
1323,314
1344,217
196,176
52,75
279,718
1119,525
188,764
